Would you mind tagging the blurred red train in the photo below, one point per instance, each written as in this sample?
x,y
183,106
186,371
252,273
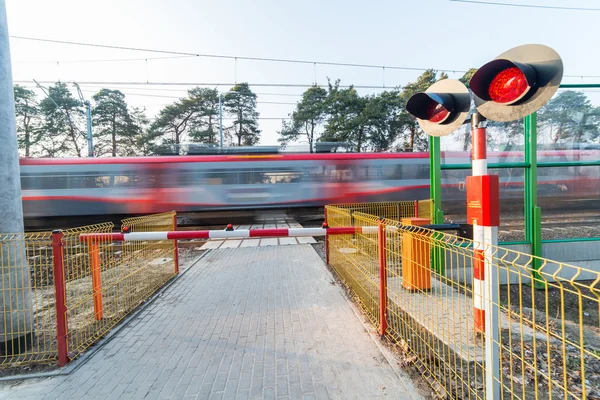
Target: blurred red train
x,y
101,186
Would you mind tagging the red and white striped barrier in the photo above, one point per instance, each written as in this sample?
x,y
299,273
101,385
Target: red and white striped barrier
x,y
227,234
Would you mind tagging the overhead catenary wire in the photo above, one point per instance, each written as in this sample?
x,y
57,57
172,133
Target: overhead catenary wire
x,y
98,61
492,3
180,97
229,57
229,84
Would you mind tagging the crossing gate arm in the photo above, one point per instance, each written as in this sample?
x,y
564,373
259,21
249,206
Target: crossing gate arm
x,y
225,234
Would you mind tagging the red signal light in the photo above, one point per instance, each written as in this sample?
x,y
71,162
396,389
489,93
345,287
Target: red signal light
x,y
508,86
435,112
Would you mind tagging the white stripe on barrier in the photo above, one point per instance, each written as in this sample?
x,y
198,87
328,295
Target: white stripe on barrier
x,y
479,167
140,236
478,291
369,230
306,232
241,233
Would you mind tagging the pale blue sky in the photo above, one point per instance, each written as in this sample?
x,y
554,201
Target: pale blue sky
x,y
425,34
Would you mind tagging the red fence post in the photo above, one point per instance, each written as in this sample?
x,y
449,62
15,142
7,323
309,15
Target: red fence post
x,y
60,297
416,208
94,250
382,278
175,245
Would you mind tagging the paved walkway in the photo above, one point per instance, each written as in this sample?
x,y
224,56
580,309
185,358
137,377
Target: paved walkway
x,y
255,322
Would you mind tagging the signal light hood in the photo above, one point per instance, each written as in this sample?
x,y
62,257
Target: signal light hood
x,y
442,108
540,65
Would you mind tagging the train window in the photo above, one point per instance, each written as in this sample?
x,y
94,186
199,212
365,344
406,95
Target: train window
x,y
47,181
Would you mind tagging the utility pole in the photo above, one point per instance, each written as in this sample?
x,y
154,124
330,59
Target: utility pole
x,y
88,118
220,121
15,298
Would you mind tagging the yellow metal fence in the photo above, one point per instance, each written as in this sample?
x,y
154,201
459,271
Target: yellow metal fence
x,y
99,283
548,341
395,210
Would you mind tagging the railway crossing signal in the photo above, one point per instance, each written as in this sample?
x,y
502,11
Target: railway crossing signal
x,y
515,84
442,108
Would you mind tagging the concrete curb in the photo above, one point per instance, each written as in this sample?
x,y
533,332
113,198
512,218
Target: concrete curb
x,y
79,361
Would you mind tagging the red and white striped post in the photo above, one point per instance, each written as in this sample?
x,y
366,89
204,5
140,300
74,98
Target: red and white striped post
x,y
479,169
483,212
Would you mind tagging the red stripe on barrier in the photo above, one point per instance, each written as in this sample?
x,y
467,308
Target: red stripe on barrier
x,y
479,319
479,145
188,235
280,232
117,237
478,265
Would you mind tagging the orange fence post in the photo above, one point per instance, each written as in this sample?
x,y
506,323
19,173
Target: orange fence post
x,y
60,297
381,244
175,245
94,250
416,205
416,271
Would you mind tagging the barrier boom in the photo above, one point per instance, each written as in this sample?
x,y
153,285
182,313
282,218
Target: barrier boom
x,y
219,234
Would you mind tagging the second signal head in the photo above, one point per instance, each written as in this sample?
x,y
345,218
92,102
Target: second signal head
x,y
442,108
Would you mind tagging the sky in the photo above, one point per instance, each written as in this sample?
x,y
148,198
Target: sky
x,y
446,35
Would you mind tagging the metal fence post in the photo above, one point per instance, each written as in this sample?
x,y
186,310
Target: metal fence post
x,y
60,297
175,245
381,244
94,250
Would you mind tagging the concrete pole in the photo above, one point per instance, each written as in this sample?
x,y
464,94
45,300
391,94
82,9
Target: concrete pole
x,y
220,121
15,296
90,138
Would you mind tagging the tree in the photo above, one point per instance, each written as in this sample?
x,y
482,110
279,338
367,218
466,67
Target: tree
x,y
114,127
310,113
570,116
28,119
147,141
62,118
240,103
346,121
173,120
203,127
386,119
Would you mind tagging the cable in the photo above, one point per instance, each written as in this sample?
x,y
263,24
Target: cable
x,y
179,97
182,53
179,90
290,85
94,61
525,5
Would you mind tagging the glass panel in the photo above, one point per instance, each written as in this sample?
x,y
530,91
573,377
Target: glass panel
x,y
512,195
570,201
505,143
569,126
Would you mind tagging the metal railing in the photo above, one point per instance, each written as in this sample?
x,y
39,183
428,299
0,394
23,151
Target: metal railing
x,y
59,294
547,342
391,209
28,319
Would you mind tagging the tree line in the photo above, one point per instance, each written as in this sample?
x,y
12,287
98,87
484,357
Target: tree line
x,y
55,125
